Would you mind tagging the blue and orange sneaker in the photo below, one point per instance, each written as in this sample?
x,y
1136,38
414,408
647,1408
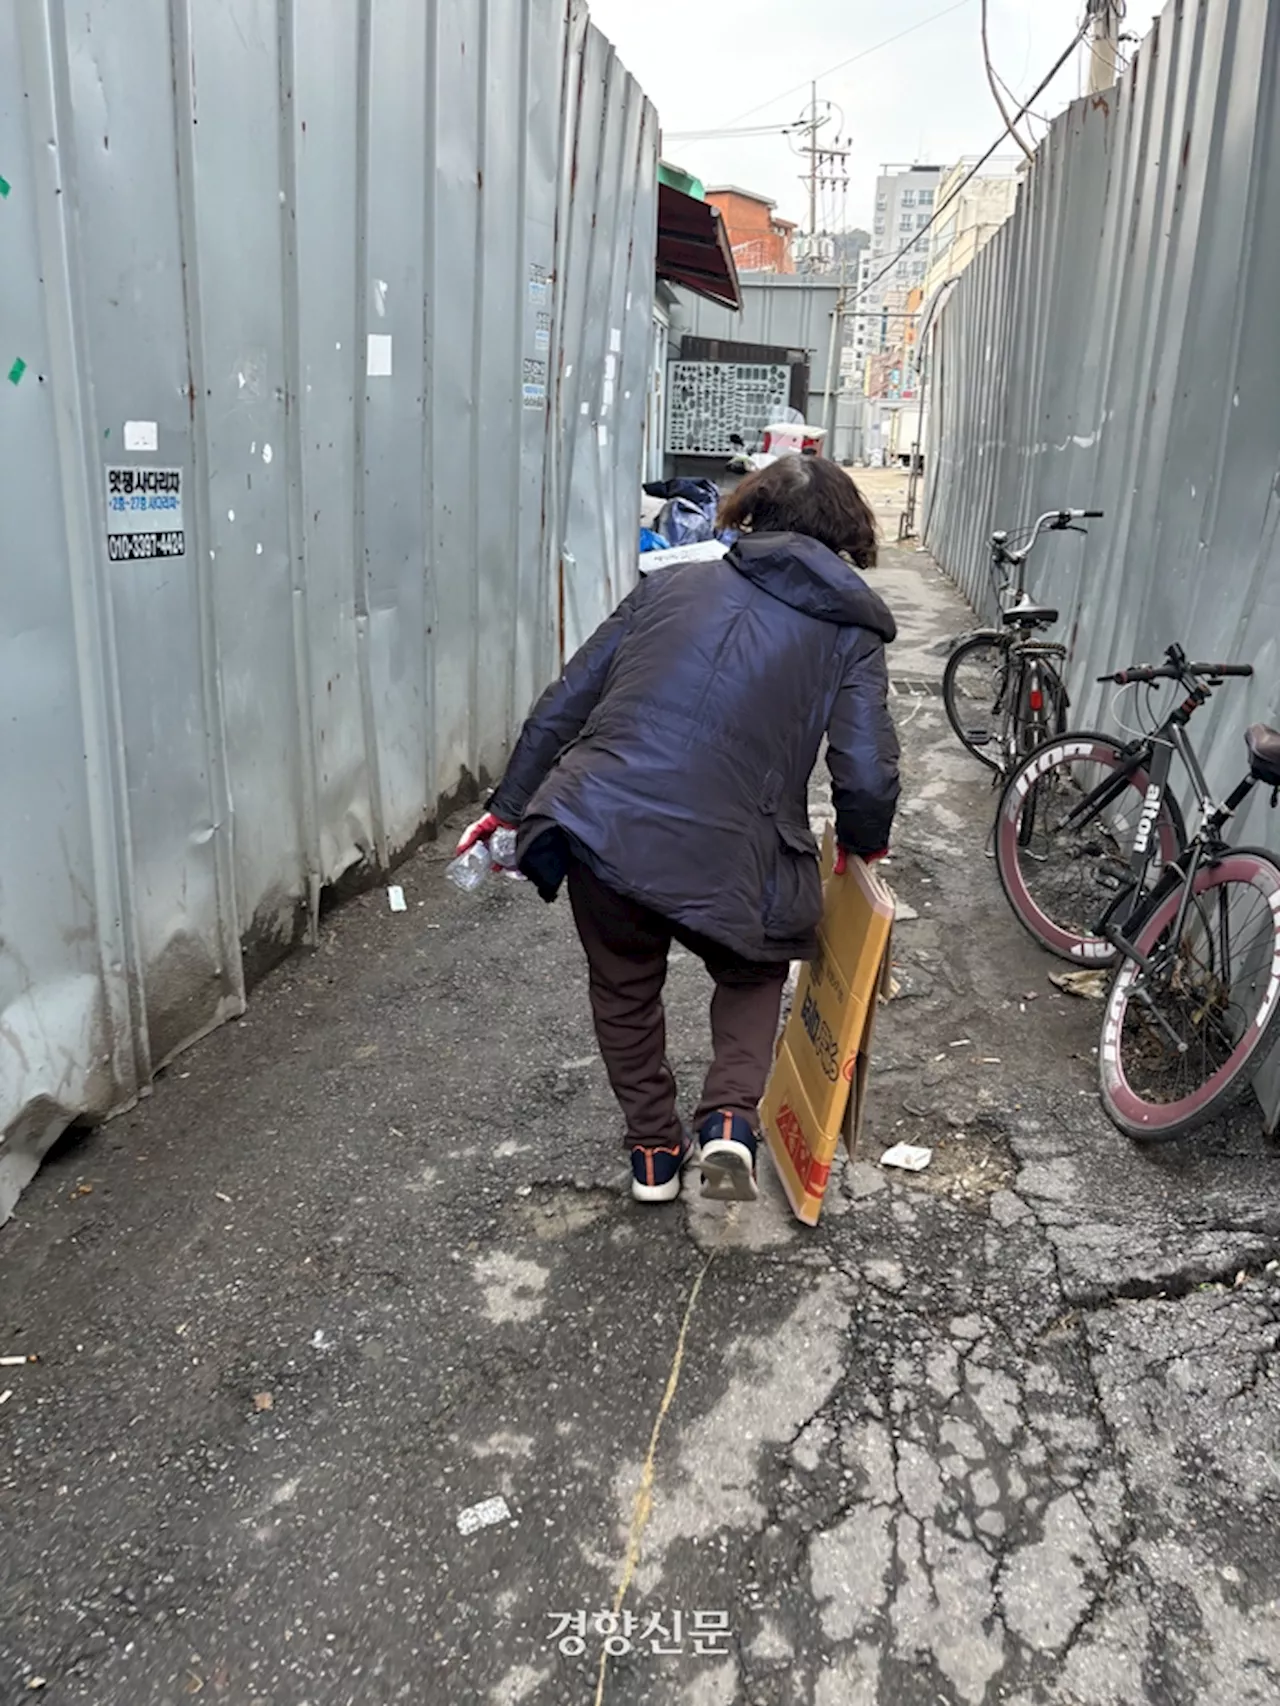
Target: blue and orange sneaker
x,y
655,1171
728,1158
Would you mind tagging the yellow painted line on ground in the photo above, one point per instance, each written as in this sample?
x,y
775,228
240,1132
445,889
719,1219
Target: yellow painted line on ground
x,y
643,1507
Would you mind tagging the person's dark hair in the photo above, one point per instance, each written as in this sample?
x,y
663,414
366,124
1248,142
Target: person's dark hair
x,y
804,494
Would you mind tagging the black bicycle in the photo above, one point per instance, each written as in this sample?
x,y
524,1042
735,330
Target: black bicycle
x,y
1002,687
1108,877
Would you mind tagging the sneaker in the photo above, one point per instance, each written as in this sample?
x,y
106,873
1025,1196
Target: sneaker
x,y
728,1158
655,1172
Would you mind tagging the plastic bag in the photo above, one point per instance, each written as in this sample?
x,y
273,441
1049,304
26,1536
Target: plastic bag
x,y
683,523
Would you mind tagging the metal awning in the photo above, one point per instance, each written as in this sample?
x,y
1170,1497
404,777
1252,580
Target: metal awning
x,y
693,248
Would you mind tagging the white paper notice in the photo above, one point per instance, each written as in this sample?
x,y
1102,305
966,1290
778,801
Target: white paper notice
x,y
140,435
615,339
378,356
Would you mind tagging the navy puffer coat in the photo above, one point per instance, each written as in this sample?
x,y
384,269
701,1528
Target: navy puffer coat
x,y
674,753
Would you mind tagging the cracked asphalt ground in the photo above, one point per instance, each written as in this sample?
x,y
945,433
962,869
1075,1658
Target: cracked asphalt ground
x,y
1005,1430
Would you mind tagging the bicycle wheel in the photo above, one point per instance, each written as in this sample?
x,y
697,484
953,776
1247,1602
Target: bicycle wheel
x,y
1062,880
974,688
1181,1036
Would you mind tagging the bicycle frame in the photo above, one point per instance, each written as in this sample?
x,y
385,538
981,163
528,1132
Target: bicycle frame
x,y
1155,754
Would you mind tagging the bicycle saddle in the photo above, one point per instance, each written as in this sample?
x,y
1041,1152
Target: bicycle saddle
x,y
1030,616
1264,753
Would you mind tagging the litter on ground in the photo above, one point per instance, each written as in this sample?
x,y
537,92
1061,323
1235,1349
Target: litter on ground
x,y
1088,985
484,1515
908,1156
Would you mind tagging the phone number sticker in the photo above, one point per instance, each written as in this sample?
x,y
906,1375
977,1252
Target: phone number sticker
x,y
133,547
144,514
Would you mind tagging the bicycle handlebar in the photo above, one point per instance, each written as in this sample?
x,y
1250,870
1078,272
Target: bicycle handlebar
x,y
1174,672
1052,521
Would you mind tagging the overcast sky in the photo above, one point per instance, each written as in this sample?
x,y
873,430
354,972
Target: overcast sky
x,y
708,64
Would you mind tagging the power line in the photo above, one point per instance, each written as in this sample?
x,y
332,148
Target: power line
x,y
1039,117
853,59
1122,61
714,135
994,82
975,169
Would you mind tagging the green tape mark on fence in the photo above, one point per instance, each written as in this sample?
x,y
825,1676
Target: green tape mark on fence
x,y
17,370
5,187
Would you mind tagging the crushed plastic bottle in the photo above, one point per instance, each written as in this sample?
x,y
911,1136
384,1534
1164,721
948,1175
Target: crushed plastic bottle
x,y
470,869
502,849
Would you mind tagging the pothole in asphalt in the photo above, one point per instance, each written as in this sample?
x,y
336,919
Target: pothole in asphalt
x,y
560,1210
969,1164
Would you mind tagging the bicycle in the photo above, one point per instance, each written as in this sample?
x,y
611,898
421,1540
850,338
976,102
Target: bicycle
x,y
1191,924
1002,689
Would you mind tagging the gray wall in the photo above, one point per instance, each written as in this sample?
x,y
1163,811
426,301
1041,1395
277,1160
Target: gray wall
x,y
225,223
1115,347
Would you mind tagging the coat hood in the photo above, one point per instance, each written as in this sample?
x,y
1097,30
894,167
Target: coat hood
x,y
811,578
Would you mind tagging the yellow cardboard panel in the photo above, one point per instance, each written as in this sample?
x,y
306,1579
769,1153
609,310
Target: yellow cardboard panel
x,y
802,1152
817,1086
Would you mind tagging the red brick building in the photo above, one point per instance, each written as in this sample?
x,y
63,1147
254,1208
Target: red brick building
x,y
760,240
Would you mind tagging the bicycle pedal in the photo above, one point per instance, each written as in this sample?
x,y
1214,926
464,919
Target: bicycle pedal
x,y
976,737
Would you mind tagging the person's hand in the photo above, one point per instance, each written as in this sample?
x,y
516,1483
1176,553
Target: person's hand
x,y
481,830
842,859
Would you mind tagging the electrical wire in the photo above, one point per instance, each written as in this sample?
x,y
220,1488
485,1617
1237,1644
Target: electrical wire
x,y
865,53
1118,10
1040,118
1010,124
973,170
715,135
1121,62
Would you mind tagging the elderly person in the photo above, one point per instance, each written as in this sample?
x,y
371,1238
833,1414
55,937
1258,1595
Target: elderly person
x,y
664,776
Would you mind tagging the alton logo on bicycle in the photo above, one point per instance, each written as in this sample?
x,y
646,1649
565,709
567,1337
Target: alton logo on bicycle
x,y
1147,821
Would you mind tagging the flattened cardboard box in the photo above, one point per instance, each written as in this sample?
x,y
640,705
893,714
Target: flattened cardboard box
x,y
817,1090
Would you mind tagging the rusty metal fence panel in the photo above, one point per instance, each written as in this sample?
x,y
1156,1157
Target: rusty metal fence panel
x,y
327,326
1113,347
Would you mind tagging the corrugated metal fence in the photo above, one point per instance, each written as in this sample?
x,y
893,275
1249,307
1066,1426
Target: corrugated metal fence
x,y
1114,347
327,345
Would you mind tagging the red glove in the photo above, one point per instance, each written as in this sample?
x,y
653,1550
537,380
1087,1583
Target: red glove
x,y
481,830
842,859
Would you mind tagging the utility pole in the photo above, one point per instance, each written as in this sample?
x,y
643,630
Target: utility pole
x,y
825,170
813,160
1104,44
831,394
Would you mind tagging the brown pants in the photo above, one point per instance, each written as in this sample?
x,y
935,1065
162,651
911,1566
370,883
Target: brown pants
x,y
627,947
